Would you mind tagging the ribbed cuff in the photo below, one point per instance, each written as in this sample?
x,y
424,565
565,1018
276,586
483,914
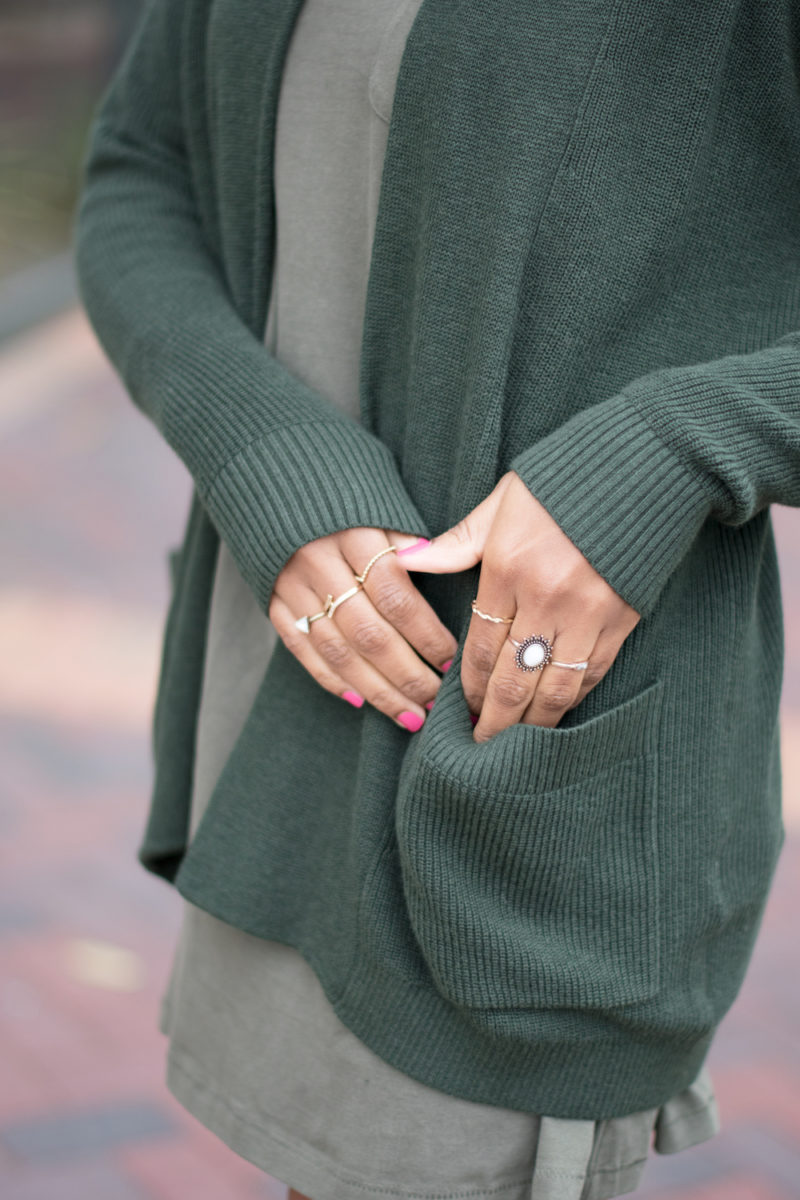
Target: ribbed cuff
x,y
620,494
302,482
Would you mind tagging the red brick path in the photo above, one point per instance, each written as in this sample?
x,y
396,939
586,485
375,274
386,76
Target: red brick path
x,y
91,499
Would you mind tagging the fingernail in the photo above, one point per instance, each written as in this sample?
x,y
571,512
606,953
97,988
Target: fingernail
x,y
473,718
353,698
418,545
429,705
447,665
411,721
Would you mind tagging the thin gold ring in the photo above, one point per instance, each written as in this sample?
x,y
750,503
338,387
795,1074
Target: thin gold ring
x,y
488,617
304,623
374,559
331,605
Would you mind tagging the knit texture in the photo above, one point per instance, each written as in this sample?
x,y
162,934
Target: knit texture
x,y
585,269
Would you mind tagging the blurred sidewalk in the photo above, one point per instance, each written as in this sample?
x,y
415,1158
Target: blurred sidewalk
x,y
92,500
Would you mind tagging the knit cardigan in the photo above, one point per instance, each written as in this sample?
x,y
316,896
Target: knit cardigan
x,y
586,269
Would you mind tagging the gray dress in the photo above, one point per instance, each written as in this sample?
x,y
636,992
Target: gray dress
x,y
256,1051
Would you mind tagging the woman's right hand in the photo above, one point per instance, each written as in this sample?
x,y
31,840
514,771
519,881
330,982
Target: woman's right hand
x,y
378,643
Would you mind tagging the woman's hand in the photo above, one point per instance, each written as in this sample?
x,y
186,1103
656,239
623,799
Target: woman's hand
x,y
373,646
532,572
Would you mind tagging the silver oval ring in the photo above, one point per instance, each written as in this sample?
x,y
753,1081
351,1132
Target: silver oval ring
x,y
533,653
536,652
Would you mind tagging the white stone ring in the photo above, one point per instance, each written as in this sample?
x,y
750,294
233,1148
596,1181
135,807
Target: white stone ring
x,y
536,652
532,654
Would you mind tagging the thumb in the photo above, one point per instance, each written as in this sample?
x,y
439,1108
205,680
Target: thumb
x,y
457,548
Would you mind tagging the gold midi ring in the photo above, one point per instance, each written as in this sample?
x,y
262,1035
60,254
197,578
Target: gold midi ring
x,y
331,605
488,617
374,559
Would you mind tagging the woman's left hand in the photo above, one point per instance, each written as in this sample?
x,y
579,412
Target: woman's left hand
x,y
530,571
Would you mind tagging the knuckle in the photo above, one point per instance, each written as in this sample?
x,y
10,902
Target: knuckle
x,y
369,638
293,644
554,699
462,532
595,672
336,652
595,599
331,683
481,657
416,687
508,692
552,591
501,570
393,600
384,699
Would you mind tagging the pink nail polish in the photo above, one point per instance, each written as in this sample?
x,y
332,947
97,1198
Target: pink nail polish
x,y
473,718
418,545
411,721
447,665
429,705
353,698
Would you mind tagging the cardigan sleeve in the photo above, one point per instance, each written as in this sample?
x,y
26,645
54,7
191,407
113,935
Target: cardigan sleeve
x,y
632,479
274,463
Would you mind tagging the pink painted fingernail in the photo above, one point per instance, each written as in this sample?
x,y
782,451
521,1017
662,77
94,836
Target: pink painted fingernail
x,y
418,545
353,698
429,705
473,718
411,721
447,665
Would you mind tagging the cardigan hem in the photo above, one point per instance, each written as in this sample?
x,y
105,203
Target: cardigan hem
x,y
416,1030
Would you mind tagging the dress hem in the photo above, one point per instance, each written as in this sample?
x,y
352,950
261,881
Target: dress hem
x,y
285,1160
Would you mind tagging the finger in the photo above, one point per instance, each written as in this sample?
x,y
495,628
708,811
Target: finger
x,y
400,603
484,641
559,686
462,546
363,647
380,644
601,660
300,645
511,687
406,541
342,660
494,611
363,634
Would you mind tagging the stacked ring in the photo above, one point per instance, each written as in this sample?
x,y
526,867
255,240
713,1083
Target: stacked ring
x,y
304,623
535,652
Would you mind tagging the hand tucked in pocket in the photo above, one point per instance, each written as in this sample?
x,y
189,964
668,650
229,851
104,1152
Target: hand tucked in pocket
x,y
533,574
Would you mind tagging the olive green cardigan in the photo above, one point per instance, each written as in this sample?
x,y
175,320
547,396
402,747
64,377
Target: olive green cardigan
x,y
586,268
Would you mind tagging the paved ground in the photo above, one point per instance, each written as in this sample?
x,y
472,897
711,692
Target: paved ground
x,y
91,500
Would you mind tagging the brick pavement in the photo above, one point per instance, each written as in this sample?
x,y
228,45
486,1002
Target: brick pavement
x,y
92,501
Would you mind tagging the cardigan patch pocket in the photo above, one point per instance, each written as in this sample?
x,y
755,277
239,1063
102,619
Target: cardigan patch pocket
x,y
544,894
